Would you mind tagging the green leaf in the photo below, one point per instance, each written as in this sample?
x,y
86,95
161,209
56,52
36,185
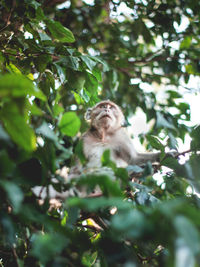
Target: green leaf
x,y
134,168
16,126
104,63
129,223
70,123
79,100
186,42
190,69
155,142
60,72
97,74
41,62
187,230
44,36
195,144
8,230
59,32
91,84
105,159
13,68
72,62
184,256
47,246
14,85
172,141
6,164
34,4
79,151
45,130
89,259
34,109
14,193
89,62
85,95
105,179
76,80
142,197
162,122
3,135
40,14
96,204
57,110
190,170
146,33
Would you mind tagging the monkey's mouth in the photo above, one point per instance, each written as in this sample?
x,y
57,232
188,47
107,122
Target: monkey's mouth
x,y
106,116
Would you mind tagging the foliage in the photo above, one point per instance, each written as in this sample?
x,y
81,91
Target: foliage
x,y
55,61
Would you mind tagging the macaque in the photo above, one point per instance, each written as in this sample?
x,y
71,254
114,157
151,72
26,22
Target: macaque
x,y
107,133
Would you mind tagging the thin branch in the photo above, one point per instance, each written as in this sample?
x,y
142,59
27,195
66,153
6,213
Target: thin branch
x,y
183,153
9,15
15,256
177,154
93,195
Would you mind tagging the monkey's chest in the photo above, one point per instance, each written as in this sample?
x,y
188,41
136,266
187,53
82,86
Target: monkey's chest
x,y
94,154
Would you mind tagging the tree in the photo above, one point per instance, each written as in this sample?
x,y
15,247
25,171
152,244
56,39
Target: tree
x,y
59,57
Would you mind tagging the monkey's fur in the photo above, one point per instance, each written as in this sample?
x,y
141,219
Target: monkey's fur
x,y
107,133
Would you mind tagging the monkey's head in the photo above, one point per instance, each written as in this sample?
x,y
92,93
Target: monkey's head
x,y
105,114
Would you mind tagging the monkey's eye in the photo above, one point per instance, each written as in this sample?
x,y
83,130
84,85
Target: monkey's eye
x,y
112,107
102,106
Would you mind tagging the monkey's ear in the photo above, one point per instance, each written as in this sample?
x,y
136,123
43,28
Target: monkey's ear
x,y
88,114
124,123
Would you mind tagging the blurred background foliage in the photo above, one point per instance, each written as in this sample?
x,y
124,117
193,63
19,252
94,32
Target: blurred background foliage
x,y
56,59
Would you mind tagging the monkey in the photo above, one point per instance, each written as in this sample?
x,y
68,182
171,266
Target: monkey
x,y
106,132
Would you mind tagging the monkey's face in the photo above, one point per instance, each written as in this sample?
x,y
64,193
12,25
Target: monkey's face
x,y
106,114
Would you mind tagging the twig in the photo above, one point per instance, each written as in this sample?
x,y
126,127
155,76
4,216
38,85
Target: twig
x,y
95,195
183,153
9,15
176,154
15,255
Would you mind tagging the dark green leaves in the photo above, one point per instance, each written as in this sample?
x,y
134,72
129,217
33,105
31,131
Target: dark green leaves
x,y
90,63
155,142
190,236
46,247
14,193
104,179
141,57
59,32
195,144
130,222
41,62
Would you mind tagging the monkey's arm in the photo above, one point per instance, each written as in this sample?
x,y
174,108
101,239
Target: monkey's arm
x,y
141,158
130,154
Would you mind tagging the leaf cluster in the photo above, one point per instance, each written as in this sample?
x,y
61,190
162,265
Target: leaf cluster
x,y
55,61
